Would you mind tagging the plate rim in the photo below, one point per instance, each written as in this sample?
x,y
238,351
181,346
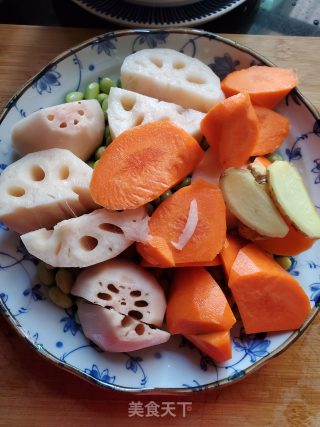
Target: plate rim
x,y
135,24
13,321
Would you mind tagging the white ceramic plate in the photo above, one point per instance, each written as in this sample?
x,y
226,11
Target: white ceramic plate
x,y
53,332
144,16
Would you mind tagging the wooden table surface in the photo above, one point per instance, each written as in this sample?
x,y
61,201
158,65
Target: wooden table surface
x,y
285,392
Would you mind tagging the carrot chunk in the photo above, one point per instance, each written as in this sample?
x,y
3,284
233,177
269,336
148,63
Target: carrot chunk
x,y
169,220
267,86
142,163
291,244
216,344
232,128
196,304
230,250
268,297
273,130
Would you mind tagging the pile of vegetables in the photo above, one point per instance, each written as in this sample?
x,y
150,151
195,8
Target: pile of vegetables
x,y
146,233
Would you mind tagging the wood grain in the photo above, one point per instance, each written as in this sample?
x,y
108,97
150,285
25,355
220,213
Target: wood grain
x,y
285,392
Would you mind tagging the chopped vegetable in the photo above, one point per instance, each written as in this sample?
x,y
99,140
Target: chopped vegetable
x,y
116,332
88,239
250,202
267,86
142,163
269,298
196,304
273,130
291,196
44,188
128,109
124,286
215,344
292,244
230,250
167,223
232,129
169,75
76,126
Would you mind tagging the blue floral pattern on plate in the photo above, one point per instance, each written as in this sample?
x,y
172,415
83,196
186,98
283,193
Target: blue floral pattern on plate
x,y
55,332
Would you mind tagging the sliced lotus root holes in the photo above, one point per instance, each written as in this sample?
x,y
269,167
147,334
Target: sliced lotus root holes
x,y
64,172
80,112
157,62
135,293
16,191
196,79
138,121
126,321
37,173
104,296
135,314
113,288
111,228
88,243
178,65
128,102
141,303
63,125
140,329
50,117
75,121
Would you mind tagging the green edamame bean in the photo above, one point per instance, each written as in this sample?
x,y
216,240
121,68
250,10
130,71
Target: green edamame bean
x,y
74,96
104,107
106,132
106,84
101,97
184,183
45,276
99,152
92,91
273,157
284,262
95,163
59,298
165,195
64,280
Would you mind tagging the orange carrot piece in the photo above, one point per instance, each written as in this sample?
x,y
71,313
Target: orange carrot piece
x,y
291,244
232,128
269,299
262,160
273,130
214,263
216,345
196,304
142,163
230,251
267,86
169,219
159,253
